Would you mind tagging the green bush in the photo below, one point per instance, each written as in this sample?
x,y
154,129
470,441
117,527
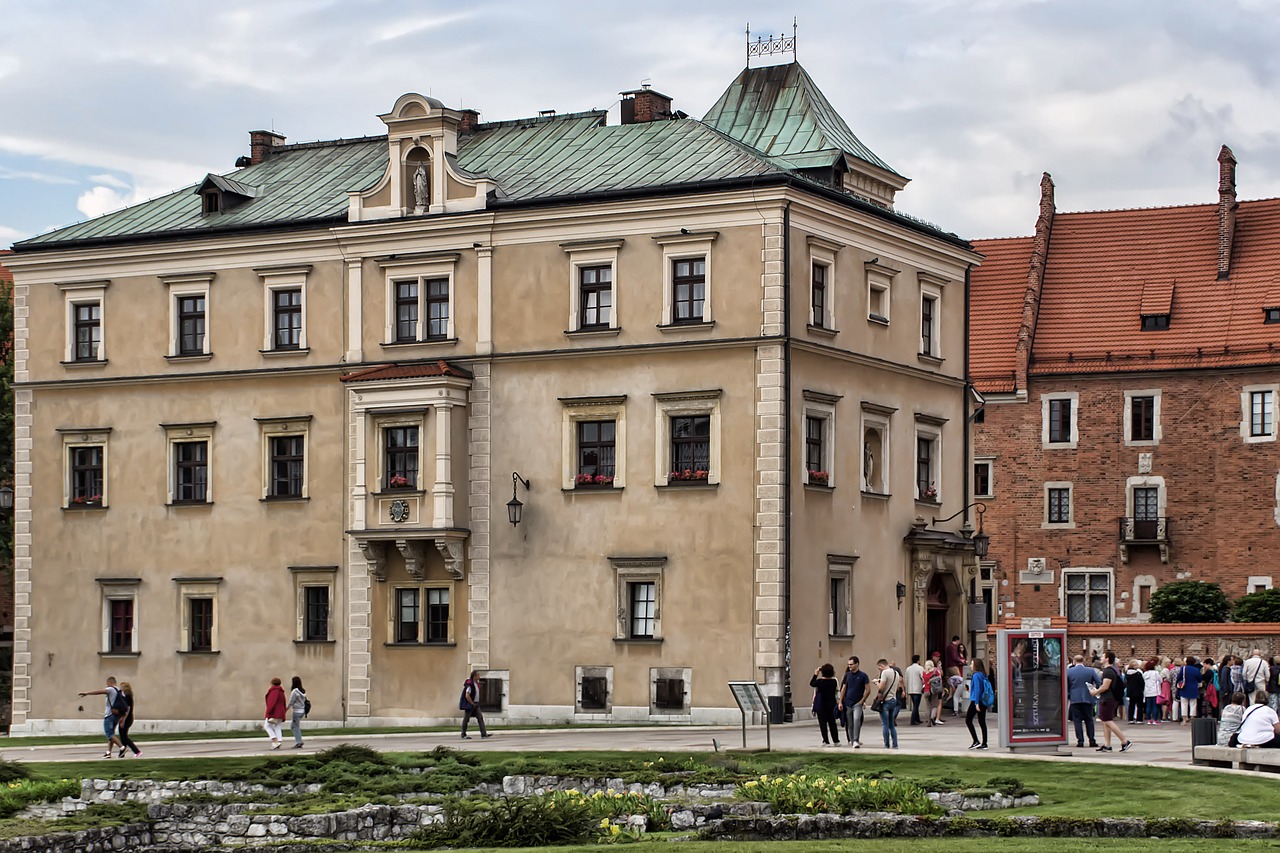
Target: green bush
x,y
508,822
12,771
17,795
1262,606
1189,601
805,794
351,753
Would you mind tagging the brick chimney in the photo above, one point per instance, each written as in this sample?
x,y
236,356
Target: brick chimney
x,y
469,120
645,104
260,144
1226,210
1035,281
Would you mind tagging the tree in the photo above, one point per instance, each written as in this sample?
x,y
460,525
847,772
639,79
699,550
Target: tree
x,y
1189,601
1261,606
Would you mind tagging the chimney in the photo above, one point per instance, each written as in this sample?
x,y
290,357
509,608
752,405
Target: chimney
x,y
469,120
1035,282
260,144
1226,210
644,105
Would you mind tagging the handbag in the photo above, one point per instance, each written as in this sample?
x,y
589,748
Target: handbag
x,y
877,704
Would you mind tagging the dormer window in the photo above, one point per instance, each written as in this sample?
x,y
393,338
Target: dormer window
x,y
212,202
1271,315
218,193
1155,322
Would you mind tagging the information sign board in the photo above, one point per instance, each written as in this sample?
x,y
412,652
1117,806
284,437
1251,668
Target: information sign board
x,y
1031,675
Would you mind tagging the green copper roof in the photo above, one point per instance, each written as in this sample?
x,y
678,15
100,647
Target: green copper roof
x,y
779,111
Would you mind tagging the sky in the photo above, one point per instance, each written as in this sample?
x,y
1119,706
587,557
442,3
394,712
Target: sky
x,y
1126,104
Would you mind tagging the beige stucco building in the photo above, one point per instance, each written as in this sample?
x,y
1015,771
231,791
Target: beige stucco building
x,y
270,425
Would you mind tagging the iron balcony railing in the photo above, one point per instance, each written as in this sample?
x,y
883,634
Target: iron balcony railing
x,y
1141,530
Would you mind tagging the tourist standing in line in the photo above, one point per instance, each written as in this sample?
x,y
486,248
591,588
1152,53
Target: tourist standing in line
x,y
111,719
1109,695
275,713
1237,676
1232,714
1260,726
1189,690
825,687
913,678
297,710
933,691
981,695
1273,684
853,690
1133,690
886,696
1151,691
126,722
1256,673
1080,680
469,705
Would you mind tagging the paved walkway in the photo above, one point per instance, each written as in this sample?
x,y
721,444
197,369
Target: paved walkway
x,y
1166,745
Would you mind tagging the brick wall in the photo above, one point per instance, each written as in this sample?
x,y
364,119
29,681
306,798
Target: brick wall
x,y
1221,491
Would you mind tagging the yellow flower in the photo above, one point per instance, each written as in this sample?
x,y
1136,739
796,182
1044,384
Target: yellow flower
x,y
604,823
752,784
614,829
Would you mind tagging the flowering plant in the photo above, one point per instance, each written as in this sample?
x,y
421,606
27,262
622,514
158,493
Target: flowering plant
x,y
688,474
819,478
594,480
399,482
931,493
91,499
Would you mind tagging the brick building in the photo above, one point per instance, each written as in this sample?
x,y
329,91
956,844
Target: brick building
x,y
1130,367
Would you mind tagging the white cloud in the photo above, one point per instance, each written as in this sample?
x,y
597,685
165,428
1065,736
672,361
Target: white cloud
x,y
7,174
10,235
100,200
109,180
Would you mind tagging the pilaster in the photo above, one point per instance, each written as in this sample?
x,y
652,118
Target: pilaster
x,y
479,448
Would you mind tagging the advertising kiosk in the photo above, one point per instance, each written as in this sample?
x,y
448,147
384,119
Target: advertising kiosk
x,y
1031,688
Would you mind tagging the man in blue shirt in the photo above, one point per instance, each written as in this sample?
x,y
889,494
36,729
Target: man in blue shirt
x,y
852,691
1079,679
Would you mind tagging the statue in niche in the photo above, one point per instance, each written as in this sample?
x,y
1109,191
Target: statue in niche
x,y
420,189
868,467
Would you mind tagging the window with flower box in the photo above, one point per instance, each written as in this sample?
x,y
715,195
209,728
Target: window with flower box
x,y
690,448
597,453
689,429
594,443
819,438
85,461
928,473
400,457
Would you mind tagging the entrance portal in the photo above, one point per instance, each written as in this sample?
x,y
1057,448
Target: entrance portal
x,y
938,604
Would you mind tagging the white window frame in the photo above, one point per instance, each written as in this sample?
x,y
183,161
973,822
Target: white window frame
x,y
576,409
685,404
1085,570
1246,412
1162,498
419,268
990,463
273,280
876,418
118,589
311,577
629,570
182,434
931,287
192,284
595,253
879,281
1070,523
675,247
84,293
930,428
284,427
823,407
1257,583
381,423
89,437
422,587
1074,397
840,568
189,588
1157,432
1140,583
824,253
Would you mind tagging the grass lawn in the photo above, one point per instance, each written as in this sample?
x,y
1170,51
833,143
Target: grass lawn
x,y
915,845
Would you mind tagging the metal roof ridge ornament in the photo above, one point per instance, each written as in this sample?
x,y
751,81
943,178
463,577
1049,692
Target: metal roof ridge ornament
x,y
770,46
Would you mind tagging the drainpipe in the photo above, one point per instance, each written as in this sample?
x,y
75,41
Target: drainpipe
x,y
788,708
967,473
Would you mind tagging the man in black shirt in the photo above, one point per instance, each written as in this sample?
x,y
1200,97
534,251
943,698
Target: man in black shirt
x,y
1109,695
852,691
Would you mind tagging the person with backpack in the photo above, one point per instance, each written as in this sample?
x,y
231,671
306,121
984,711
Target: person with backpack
x,y
469,704
933,690
981,697
116,708
1110,694
126,721
299,707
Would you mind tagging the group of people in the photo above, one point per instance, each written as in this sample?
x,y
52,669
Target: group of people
x,y
280,708
843,703
118,718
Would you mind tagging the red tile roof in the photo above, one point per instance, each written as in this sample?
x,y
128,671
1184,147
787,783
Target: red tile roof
x,y
417,370
1106,268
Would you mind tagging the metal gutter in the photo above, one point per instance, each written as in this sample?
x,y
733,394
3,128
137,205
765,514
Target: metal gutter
x,y
788,708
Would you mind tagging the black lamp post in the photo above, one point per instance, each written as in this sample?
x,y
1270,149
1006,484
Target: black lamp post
x,y
981,541
901,591
515,509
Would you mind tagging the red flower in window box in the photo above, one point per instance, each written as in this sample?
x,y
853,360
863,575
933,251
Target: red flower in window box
x,y
931,493
399,482
819,478
688,474
594,480
89,500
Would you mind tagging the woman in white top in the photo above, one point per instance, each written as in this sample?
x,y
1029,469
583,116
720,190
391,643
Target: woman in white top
x,y
1151,691
297,709
1260,726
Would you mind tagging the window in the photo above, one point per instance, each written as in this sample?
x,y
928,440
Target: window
x,y
840,595
189,315
284,309
400,449
284,463
211,202
288,319
198,614
316,618
86,475
594,441
818,296
639,597
813,446
689,280
119,615
120,637
690,447
668,693
1155,322
879,293
406,311
928,325
595,288
492,692
422,615
84,303
191,472
1142,417
669,690
926,461
595,693
420,297
1059,427
982,482
313,595
1059,504
437,615
1257,413
1271,315
688,430
819,437
408,615
437,297
643,598
597,452
1087,596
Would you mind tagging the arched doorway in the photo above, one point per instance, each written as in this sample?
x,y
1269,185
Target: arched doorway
x,y
937,604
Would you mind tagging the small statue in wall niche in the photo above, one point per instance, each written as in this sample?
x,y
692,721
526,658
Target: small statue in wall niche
x,y
868,467
421,189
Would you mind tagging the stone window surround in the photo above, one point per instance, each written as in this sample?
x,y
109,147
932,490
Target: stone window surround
x,y
1246,413
594,253
190,284
1070,523
118,589
382,421
931,287
990,462
1074,397
823,407
281,427
878,418
581,672
422,587
824,253
840,566
685,674
677,247
1139,583
879,283
84,293
181,434
928,427
73,437
1127,427
675,404
189,588
1256,581
601,408
312,576
1088,570
629,570
1146,481
422,268
276,279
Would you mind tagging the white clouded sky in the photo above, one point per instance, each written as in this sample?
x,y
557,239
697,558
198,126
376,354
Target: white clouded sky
x,y
106,104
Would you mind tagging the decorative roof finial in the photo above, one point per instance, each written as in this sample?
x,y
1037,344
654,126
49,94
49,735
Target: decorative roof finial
x,y
770,46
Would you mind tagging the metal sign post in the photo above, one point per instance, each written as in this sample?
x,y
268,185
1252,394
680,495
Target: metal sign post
x,y
750,697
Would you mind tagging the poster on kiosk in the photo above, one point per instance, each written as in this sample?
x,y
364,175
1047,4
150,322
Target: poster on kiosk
x,y
1031,688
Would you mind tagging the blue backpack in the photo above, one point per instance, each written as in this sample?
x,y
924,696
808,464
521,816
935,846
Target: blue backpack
x,y
988,693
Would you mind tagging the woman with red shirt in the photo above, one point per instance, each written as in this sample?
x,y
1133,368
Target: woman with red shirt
x,y
275,712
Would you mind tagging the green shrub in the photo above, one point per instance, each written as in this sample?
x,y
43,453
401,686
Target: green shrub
x,y
12,771
1189,601
351,753
1261,606
805,794
17,795
508,822
617,804
1010,786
